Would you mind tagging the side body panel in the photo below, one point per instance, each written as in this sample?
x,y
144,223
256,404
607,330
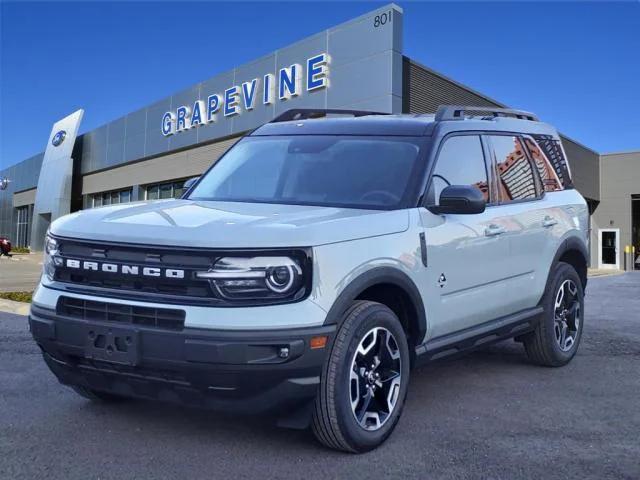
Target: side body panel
x,y
468,270
535,231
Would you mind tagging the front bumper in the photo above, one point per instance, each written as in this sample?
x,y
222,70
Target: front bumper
x,y
237,371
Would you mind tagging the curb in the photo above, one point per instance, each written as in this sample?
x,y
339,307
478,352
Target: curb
x,y
17,308
605,274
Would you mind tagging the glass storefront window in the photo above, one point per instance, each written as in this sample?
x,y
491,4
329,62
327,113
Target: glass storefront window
x,y
112,198
153,193
165,190
22,226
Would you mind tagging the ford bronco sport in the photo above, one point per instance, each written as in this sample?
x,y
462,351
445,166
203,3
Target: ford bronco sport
x,y
317,262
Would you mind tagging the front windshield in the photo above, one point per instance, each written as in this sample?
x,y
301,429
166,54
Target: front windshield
x,y
344,171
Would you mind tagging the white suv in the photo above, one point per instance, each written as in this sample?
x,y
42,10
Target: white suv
x,y
317,262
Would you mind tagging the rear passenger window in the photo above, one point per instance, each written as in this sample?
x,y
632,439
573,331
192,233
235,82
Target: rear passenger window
x,y
516,180
460,162
550,180
552,149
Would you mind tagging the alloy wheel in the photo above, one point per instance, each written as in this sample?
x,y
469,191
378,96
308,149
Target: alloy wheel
x,y
375,378
567,315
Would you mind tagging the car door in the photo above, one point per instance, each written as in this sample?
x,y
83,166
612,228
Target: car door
x,y
467,255
526,218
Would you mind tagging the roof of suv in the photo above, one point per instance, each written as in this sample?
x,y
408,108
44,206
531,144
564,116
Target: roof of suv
x,y
364,123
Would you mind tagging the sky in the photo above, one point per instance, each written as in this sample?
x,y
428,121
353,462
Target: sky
x,y
575,64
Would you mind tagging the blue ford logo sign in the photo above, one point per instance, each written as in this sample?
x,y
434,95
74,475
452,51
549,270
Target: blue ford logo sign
x,y
4,183
58,138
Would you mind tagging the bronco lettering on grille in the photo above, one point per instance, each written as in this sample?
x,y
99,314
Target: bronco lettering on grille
x,y
125,269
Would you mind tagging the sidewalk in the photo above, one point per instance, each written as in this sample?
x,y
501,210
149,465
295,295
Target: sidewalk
x,y
19,308
594,272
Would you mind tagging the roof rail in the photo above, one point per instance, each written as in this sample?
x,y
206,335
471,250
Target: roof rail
x,y
307,113
455,112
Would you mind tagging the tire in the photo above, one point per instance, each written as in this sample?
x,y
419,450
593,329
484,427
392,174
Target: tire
x,y
544,344
97,396
338,422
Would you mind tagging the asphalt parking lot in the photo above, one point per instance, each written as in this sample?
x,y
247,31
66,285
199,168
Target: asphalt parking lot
x,y
488,415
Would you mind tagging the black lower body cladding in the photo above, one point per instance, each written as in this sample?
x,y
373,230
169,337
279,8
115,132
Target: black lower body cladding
x,y
247,372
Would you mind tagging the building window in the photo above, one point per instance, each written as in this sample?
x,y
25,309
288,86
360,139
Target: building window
x,y
111,198
164,190
23,224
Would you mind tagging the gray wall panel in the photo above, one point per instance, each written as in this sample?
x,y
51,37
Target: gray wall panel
x,y
220,127
172,166
187,98
23,176
427,90
584,168
358,74
134,146
354,41
261,113
136,122
619,180
155,142
115,153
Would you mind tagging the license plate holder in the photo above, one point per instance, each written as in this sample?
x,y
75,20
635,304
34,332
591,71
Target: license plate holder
x,y
112,344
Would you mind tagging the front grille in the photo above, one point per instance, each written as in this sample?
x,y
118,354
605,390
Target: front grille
x,y
124,271
138,286
113,312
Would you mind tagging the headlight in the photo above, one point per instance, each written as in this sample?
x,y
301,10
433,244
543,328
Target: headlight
x,y
268,278
51,258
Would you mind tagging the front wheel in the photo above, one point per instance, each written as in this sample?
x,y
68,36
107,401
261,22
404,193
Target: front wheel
x,y
556,338
364,381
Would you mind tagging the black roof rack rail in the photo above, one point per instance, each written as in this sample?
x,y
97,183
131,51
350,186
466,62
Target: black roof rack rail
x,y
456,112
307,113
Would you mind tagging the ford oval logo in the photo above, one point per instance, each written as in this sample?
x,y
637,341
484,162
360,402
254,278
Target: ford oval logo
x,y
4,183
58,138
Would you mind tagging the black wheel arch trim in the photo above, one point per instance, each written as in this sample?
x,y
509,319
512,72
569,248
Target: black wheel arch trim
x,y
567,245
376,276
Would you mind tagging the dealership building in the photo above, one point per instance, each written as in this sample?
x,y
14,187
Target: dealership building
x,y
149,153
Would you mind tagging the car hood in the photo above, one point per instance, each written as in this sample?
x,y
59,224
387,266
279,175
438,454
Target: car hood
x,y
227,224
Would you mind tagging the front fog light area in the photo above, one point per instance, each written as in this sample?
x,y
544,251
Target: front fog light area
x,y
51,258
275,278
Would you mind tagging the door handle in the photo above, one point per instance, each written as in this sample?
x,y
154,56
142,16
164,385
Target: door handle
x,y
549,222
493,230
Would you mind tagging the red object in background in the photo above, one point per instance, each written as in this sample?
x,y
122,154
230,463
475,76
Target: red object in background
x,y
5,246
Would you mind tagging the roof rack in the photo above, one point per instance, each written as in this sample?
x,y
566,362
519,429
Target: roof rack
x,y
455,112
307,113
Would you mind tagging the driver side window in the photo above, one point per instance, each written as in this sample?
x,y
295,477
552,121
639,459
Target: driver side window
x,y
460,162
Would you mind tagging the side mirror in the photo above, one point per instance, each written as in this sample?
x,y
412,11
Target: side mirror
x,y
460,199
189,183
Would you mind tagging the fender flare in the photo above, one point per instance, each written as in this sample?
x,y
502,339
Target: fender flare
x,y
373,277
568,244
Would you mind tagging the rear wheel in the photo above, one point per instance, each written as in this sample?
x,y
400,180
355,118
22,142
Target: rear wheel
x,y
555,341
364,382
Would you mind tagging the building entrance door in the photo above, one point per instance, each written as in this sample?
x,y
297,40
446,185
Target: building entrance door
x,y
609,246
